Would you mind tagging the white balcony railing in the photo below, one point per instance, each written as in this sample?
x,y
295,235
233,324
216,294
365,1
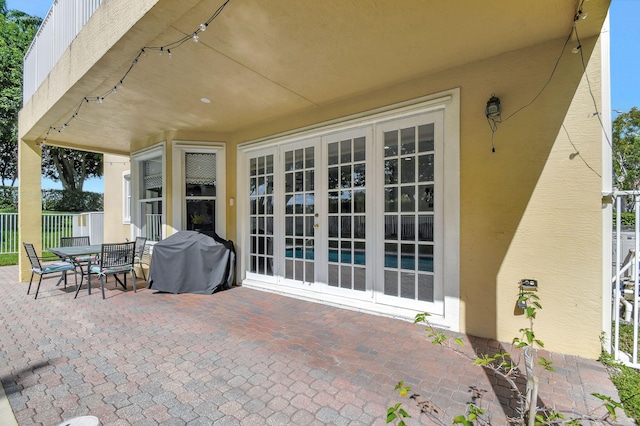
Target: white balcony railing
x,y
59,28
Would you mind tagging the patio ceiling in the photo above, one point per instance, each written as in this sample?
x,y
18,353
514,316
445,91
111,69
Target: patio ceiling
x,y
262,60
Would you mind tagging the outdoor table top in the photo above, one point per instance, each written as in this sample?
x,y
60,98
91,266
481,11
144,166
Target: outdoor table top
x,y
74,251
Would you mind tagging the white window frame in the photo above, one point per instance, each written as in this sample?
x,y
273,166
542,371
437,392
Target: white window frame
x,y
158,150
126,197
178,208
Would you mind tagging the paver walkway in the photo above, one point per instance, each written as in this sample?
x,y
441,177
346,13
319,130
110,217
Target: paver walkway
x,y
239,357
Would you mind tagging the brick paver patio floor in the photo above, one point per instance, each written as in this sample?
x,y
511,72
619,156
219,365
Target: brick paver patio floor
x,y
239,357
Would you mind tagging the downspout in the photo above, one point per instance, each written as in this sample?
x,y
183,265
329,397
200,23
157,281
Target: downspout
x,y
607,179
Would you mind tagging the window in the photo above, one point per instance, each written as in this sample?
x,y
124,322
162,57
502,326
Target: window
x,y
147,189
200,192
126,197
198,187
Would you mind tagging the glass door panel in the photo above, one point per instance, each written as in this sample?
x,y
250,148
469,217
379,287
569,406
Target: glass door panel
x,y
411,220
261,215
347,238
299,213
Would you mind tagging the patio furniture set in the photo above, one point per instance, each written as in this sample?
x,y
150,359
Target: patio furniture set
x,y
77,253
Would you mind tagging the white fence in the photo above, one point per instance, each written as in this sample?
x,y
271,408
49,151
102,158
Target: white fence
x,y
54,226
59,28
626,279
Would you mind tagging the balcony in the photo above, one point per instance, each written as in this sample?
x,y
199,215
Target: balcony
x,y
59,28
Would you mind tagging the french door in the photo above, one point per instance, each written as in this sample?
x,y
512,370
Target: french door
x,y
354,213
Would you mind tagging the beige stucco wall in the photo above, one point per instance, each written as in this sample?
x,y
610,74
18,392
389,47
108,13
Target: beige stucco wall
x,y
115,230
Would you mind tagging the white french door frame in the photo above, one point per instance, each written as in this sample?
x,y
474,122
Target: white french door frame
x,y
338,136
280,212
447,103
437,117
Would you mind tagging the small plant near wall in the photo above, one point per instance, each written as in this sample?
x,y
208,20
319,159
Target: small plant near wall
x,y
504,368
197,219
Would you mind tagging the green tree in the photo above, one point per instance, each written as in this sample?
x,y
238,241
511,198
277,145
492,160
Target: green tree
x,y
69,166
626,149
17,29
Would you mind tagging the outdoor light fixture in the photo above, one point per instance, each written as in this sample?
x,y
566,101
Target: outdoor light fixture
x,y
529,284
493,109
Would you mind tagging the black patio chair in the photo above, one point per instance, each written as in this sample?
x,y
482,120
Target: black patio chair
x,y
114,259
47,268
74,241
141,243
81,262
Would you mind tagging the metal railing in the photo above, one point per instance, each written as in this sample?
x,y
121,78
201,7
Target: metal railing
x,y
153,227
626,279
54,226
59,28
8,233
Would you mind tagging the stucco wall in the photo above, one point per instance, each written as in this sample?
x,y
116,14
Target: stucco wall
x,y
115,230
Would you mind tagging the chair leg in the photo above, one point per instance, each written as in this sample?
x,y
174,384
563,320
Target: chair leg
x,y
144,276
29,289
64,275
133,278
77,288
102,279
38,288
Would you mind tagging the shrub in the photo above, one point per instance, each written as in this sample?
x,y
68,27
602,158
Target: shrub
x,y
55,200
627,219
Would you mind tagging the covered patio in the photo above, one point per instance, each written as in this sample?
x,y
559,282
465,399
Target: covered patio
x,y
240,357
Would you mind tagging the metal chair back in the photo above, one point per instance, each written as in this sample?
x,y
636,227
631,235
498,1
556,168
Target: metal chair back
x,y
48,268
116,256
74,241
139,250
33,256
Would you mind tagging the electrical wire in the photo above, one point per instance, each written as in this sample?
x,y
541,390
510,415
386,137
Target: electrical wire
x,y
166,48
577,153
553,71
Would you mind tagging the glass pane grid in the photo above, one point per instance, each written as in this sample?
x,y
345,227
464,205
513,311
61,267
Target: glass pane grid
x,y
299,198
409,212
261,215
346,218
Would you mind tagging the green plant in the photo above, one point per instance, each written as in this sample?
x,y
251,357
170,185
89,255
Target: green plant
x,y
197,218
503,366
8,259
625,379
627,219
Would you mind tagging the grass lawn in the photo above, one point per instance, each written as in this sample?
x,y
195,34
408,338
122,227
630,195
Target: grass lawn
x,y
626,379
12,258
8,259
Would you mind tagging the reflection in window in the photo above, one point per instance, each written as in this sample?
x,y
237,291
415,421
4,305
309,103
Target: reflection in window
x,y
409,171
151,192
200,192
346,208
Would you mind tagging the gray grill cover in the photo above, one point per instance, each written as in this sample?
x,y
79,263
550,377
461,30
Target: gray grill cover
x,y
191,262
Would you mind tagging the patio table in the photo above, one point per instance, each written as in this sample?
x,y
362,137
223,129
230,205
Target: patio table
x,y
74,252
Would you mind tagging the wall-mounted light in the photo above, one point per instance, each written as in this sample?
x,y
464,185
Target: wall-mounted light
x,y
493,111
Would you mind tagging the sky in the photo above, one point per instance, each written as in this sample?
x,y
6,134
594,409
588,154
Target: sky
x,y
625,58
